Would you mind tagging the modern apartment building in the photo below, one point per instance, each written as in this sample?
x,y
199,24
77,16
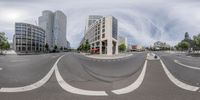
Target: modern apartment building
x,y
91,19
54,23
102,35
28,38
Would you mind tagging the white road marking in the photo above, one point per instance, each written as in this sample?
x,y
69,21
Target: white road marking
x,y
19,60
1,68
108,57
134,85
187,66
151,56
190,59
53,56
189,56
176,81
74,90
34,85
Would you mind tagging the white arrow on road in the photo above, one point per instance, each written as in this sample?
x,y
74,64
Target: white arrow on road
x,y
187,66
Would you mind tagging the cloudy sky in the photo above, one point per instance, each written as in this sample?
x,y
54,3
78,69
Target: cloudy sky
x,y
141,21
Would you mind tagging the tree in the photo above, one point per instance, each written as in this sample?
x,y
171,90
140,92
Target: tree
x,y
55,47
4,45
81,47
183,45
47,47
187,37
122,47
176,46
196,41
61,48
86,46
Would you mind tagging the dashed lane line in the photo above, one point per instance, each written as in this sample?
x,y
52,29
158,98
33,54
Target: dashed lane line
x,y
176,81
34,85
187,66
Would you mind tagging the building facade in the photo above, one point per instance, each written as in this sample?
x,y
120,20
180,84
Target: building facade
x,y
91,19
102,36
46,22
60,22
54,23
160,45
28,38
137,48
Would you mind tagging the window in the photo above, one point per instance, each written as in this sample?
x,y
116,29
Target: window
x,y
18,48
103,30
103,35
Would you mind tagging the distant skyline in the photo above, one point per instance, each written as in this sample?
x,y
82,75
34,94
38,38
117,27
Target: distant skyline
x,y
142,21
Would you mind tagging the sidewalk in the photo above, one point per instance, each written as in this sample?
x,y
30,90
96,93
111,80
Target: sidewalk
x,y
172,52
8,52
103,56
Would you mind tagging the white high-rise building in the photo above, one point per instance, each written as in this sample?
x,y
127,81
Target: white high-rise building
x,y
102,36
46,22
59,30
91,19
55,26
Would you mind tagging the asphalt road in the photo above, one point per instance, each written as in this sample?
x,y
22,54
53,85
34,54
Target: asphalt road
x,y
76,77
25,69
185,74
